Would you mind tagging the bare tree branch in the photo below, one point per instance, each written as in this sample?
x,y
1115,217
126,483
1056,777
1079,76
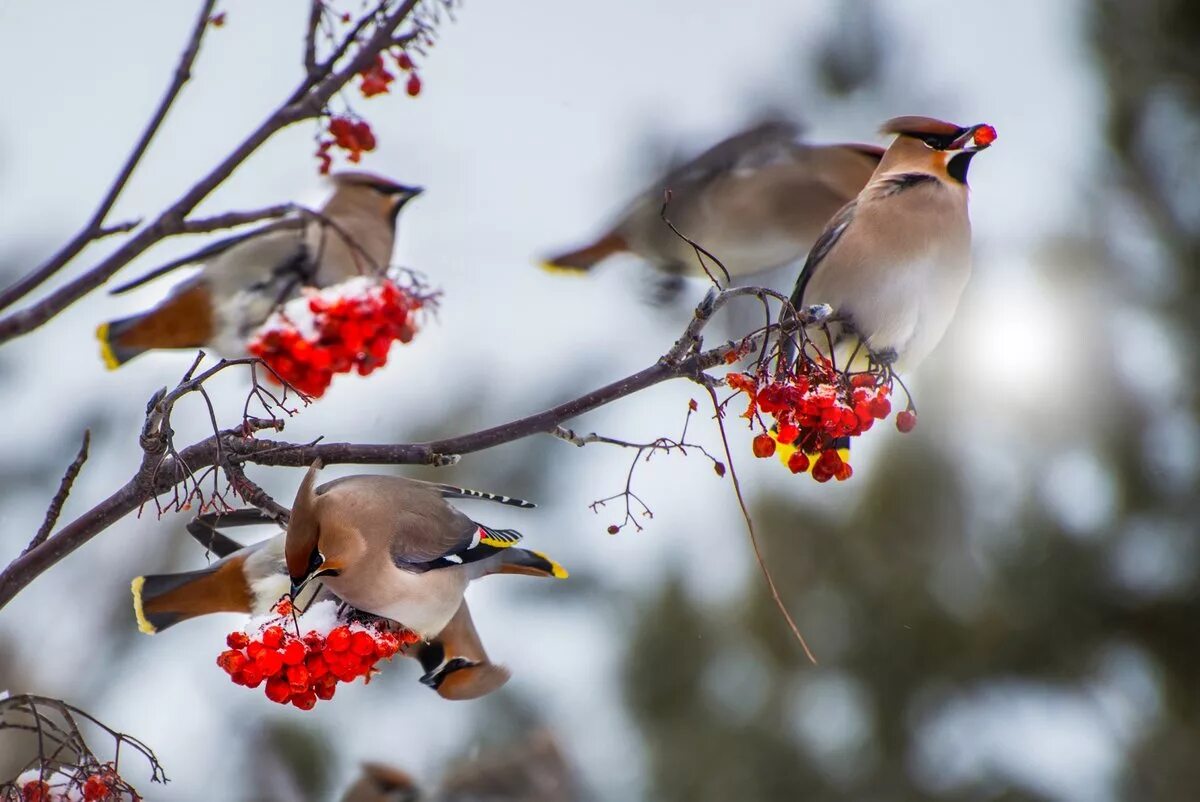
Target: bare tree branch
x,y
307,101
163,467
60,498
95,226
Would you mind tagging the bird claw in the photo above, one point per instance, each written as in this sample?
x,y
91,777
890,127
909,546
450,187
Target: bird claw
x,y
817,313
884,357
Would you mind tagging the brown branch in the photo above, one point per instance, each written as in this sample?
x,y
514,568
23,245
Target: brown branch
x,y
95,226
306,102
163,468
60,498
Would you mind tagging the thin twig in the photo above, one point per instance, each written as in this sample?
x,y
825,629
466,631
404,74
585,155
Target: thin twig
x,y
60,498
758,555
94,227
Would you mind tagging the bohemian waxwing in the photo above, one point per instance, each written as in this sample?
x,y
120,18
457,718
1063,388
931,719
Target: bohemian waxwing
x,y
252,579
247,276
756,201
394,547
894,261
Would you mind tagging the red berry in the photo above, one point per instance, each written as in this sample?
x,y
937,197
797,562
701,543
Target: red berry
x,y
787,433
404,61
315,641
613,529
763,446
906,421
272,637
95,789
278,690
237,640
325,688
338,640
844,472
880,407
297,677
270,663
305,700
798,462
231,661
294,653
316,666
413,87
35,791
251,676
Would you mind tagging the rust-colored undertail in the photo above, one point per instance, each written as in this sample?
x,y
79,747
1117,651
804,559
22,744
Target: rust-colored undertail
x,y
163,600
584,259
183,320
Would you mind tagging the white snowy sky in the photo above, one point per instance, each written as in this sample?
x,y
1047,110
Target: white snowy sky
x,y
529,133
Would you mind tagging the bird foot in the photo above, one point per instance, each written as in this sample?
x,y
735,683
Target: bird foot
x,y
885,357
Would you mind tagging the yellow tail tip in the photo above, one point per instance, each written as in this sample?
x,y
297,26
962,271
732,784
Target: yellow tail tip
x,y
556,570
562,270
143,623
106,352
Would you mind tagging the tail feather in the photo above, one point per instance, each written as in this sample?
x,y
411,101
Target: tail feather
x,y
529,563
163,600
183,320
584,259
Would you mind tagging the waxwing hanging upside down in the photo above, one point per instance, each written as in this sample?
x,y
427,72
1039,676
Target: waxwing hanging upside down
x,y
247,276
252,579
756,201
894,261
395,548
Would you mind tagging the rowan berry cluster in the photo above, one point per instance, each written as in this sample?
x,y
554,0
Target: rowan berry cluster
x,y
349,326
300,669
353,136
811,408
99,784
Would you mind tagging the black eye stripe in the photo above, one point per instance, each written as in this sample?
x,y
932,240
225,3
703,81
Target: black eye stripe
x,y
938,141
314,561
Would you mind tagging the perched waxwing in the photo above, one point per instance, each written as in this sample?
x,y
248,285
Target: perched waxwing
x,y
246,277
395,548
378,782
756,201
252,579
894,261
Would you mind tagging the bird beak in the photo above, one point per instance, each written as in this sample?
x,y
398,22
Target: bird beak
x,y
975,138
408,192
298,586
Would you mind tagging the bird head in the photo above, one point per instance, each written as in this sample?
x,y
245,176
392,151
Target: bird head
x,y
308,556
382,194
935,146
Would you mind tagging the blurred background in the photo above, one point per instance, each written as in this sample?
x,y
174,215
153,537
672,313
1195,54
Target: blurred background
x,y
1004,603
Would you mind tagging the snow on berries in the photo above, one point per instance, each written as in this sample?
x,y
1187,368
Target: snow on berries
x,y
88,783
811,408
346,327
300,669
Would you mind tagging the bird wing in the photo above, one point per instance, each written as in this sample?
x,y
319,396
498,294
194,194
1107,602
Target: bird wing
x,y
753,148
825,243
204,254
424,545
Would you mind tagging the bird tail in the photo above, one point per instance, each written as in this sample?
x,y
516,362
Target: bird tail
x,y
529,563
183,320
163,600
584,259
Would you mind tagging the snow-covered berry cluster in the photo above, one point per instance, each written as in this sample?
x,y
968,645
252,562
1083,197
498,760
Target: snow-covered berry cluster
x,y
300,669
345,327
813,406
99,783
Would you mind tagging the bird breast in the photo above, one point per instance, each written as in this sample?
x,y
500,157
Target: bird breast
x,y
423,602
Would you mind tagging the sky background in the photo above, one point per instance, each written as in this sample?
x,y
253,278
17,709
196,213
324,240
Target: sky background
x,y
535,125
